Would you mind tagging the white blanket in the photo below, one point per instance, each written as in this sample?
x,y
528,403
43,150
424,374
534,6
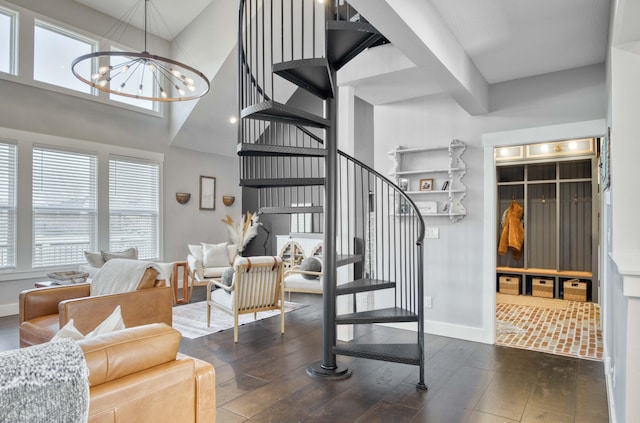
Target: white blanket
x,y
121,275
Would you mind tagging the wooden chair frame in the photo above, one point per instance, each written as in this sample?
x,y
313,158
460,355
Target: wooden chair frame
x,y
257,286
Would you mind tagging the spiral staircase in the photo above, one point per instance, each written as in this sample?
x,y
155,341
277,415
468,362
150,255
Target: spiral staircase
x,y
373,233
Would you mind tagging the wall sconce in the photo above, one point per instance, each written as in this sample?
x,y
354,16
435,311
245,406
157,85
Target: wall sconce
x,y
228,200
183,197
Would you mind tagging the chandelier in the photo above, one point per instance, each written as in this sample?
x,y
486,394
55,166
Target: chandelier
x,y
142,75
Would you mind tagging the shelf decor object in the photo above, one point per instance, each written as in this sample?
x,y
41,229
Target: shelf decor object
x,y
183,197
143,75
424,169
228,200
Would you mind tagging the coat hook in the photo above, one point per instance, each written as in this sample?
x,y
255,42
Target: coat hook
x,y
543,200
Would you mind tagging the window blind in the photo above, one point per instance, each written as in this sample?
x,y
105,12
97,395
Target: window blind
x,y
134,206
64,206
7,205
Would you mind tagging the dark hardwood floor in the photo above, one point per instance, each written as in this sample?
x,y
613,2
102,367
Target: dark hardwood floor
x,y
263,378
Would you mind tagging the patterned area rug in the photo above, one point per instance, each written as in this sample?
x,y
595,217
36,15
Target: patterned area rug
x,y
191,319
573,331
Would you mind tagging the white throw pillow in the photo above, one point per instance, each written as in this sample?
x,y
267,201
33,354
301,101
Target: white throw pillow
x,y
215,255
129,253
196,251
94,259
111,324
68,331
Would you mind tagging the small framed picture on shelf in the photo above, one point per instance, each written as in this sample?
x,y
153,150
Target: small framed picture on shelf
x,y
445,185
426,184
403,183
446,208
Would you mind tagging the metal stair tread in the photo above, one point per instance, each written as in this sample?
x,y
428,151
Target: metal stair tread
x,y
312,75
277,112
363,285
385,315
280,182
265,150
291,210
344,259
397,353
346,39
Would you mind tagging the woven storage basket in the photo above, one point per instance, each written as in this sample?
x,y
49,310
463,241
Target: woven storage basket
x,y
541,287
575,290
509,285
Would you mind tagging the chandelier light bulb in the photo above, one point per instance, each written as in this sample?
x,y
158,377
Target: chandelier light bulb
x,y
124,69
176,73
151,66
104,69
140,90
102,83
181,92
96,76
121,87
163,94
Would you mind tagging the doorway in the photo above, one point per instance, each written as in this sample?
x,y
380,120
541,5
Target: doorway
x,y
547,220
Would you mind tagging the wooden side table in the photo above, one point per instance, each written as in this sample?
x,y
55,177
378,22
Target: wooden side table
x,y
185,281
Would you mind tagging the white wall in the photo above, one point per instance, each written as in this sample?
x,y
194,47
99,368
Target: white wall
x,y
622,317
36,110
454,263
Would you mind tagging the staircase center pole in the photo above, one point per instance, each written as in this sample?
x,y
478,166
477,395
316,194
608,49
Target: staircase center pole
x,y
328,368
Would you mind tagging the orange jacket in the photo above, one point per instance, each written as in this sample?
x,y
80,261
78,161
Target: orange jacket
x,y
512,232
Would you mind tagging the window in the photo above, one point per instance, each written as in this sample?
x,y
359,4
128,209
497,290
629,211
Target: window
x,y
54,50
136,77
134,206
7,41
64,206
7,205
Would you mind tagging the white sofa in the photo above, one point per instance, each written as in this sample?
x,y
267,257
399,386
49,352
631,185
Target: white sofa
x,y
209,261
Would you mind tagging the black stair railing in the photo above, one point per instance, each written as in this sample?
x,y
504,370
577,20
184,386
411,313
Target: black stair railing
x,y
375,210
290,157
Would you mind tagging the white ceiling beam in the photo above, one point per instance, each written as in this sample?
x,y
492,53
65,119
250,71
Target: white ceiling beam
x,y
417,30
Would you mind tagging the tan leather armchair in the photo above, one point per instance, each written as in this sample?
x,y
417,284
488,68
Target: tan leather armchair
x,y
137,375
43,311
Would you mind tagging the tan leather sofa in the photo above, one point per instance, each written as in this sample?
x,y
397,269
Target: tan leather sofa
x,y
137,375
43,311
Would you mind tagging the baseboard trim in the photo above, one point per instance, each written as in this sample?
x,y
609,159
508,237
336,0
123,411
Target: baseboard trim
x,y
9,309
608,371
450,330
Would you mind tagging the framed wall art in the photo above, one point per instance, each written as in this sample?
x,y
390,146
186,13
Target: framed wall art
x,y
207,193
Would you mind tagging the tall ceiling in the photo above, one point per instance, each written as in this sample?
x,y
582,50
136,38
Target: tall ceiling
x,y
167,17
503,39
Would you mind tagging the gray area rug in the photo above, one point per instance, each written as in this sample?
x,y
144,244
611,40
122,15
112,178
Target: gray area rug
x,y
191,319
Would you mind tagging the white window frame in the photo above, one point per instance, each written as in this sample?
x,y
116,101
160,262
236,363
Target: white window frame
x,y
151,250
13,40
25,22
10,175
42,24
70,254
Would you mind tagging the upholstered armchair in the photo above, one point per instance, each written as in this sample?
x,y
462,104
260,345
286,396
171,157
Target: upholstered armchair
x,y
146,299
256,286
208,262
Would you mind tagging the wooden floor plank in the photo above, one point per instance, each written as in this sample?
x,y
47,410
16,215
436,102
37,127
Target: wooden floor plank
x,y
262,378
